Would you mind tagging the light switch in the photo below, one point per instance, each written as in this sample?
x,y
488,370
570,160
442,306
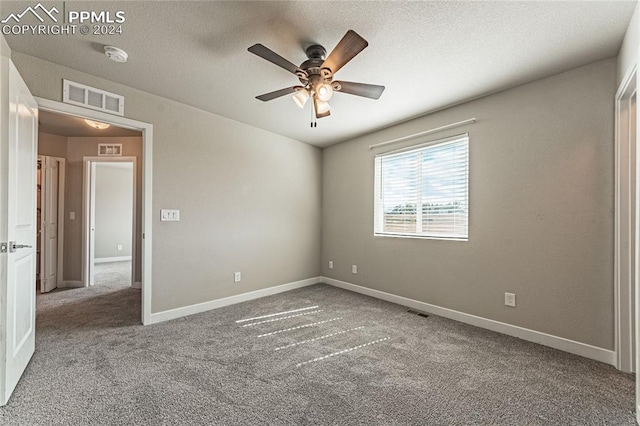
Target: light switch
x,y
169,215
72,215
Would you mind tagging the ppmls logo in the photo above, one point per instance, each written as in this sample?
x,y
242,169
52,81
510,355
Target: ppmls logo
x,y
102,22
34,11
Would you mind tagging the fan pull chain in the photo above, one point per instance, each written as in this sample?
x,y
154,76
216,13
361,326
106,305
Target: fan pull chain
x,y
314,123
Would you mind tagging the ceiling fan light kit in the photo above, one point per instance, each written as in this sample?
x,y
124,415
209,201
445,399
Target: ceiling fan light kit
x,y
324,91
316,74
322,108
301,97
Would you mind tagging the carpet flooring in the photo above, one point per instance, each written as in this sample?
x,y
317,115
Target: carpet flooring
x,y
338,358
112,274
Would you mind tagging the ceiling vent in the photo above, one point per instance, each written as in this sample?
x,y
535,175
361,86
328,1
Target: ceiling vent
x,y
90,97
110,150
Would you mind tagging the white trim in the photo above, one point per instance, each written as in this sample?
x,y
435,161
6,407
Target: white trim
x,y
630,74
112,259
623,287
71,284
231,300
87,216
62,181
571,346
147,184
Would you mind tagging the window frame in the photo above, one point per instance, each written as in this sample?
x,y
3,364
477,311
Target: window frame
x,y
378,209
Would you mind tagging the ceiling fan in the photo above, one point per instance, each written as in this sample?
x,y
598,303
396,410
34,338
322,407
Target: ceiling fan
x,y
317,72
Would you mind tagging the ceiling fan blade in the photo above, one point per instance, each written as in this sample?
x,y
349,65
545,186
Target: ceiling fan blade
x,y
273,95
350,45
372,91
274,58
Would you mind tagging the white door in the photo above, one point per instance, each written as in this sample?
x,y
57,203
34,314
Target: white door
x,y
92,222
18,337
49,268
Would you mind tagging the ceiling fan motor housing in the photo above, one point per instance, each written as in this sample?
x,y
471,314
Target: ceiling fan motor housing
x,y
315,51
313,66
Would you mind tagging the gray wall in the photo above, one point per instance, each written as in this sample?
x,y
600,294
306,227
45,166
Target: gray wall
x,y
250,200
541,210
52,145
113,209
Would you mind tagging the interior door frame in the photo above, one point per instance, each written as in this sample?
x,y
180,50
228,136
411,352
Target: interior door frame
x,y
62,174
625,243
147,178
89,212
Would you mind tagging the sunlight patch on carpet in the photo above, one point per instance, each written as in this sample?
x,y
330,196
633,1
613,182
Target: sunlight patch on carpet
x,y
276,314
344,351
299,327
326,336
282,318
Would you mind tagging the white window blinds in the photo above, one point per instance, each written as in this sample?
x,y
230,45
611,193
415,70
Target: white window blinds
x,y
424,191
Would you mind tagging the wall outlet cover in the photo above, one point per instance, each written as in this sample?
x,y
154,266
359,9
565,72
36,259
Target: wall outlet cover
x,y
510,299
167,215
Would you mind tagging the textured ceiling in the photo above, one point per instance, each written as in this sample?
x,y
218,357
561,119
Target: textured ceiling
x,y
427,54
70,126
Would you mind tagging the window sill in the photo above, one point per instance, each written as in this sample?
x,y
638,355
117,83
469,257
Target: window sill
x,y
420,237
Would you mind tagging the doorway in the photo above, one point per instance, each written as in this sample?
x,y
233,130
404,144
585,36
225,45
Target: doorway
x,y
110,225
143,175
50,224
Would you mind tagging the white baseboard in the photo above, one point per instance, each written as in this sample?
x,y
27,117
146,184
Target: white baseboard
x,y
231,300
112,259
70,284
599,354
137,284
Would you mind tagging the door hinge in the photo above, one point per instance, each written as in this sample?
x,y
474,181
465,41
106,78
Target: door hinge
x,y
3,247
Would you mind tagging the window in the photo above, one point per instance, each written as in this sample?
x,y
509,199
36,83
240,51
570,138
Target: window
x,y
423,191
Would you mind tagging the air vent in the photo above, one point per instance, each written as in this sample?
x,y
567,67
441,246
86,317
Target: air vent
x,y
110,149
421,314
90,97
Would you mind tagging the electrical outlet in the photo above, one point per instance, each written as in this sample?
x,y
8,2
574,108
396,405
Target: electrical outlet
x,y
119,247
354,269
237,277
331,264
510,299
